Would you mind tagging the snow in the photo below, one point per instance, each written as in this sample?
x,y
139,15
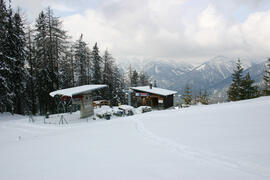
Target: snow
x,y
77,90
105,110
222,141
126,107
156,70
154,90
201,67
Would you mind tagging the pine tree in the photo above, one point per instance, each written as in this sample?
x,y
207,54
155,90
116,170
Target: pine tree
x,y
204,97
266,80
12,54
50,42
108,74
198,98
155,83
57,45
134,78
187,97
241,87
10,59
236,91
143,79
113,78
66,73
129,76
19,72
82,62
42,61
31,78
118,95
250,91
5,64
97,61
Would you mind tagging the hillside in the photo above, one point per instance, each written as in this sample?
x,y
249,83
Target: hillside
x,y
221,141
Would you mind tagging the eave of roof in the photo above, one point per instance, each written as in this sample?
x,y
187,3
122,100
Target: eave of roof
x,y
154,90
86,89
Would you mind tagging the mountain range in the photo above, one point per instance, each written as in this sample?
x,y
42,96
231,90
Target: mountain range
x,y
213,75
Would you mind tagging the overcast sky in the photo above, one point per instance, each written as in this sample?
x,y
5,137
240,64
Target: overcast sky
x,y
183,30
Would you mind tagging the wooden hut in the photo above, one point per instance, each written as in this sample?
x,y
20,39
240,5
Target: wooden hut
x,y
155,97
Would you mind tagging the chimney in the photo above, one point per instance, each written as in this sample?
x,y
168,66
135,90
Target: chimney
x,y
150,85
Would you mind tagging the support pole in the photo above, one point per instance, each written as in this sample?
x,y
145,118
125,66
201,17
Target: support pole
x,y
62,120
31,119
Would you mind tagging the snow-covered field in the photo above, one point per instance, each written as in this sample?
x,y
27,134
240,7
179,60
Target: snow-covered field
x,y
224,141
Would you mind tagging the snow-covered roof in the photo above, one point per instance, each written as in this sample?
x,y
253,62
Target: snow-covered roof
x,y
126,107
77,90
154,90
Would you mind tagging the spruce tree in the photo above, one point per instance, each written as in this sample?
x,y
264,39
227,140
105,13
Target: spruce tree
x,y
155,83
187,96
42,61
250,91
32,74
12,54
266,80
129,76
134,78
82,62
97,61
241,87
198,98
204,97
50,42
19,72
108,74
66,73
143,79
5,64
118,94
236,91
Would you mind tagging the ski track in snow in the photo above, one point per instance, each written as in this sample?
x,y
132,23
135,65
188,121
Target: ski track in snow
x,y
206,157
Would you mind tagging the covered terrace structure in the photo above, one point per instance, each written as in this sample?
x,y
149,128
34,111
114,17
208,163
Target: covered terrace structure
x,y
81,95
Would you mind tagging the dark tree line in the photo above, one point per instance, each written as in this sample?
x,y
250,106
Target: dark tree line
x,y
36,61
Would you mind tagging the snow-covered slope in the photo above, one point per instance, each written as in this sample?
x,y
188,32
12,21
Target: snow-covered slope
x,y
223,141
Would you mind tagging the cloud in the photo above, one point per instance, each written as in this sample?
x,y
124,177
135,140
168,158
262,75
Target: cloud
x,y
214,34
61,7
168,29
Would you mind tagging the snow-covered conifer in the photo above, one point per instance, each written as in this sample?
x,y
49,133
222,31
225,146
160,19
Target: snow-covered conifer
x,y
266,80
97,62
236,91
82,62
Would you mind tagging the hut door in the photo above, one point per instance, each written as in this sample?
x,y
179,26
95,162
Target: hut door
x,y
154,102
